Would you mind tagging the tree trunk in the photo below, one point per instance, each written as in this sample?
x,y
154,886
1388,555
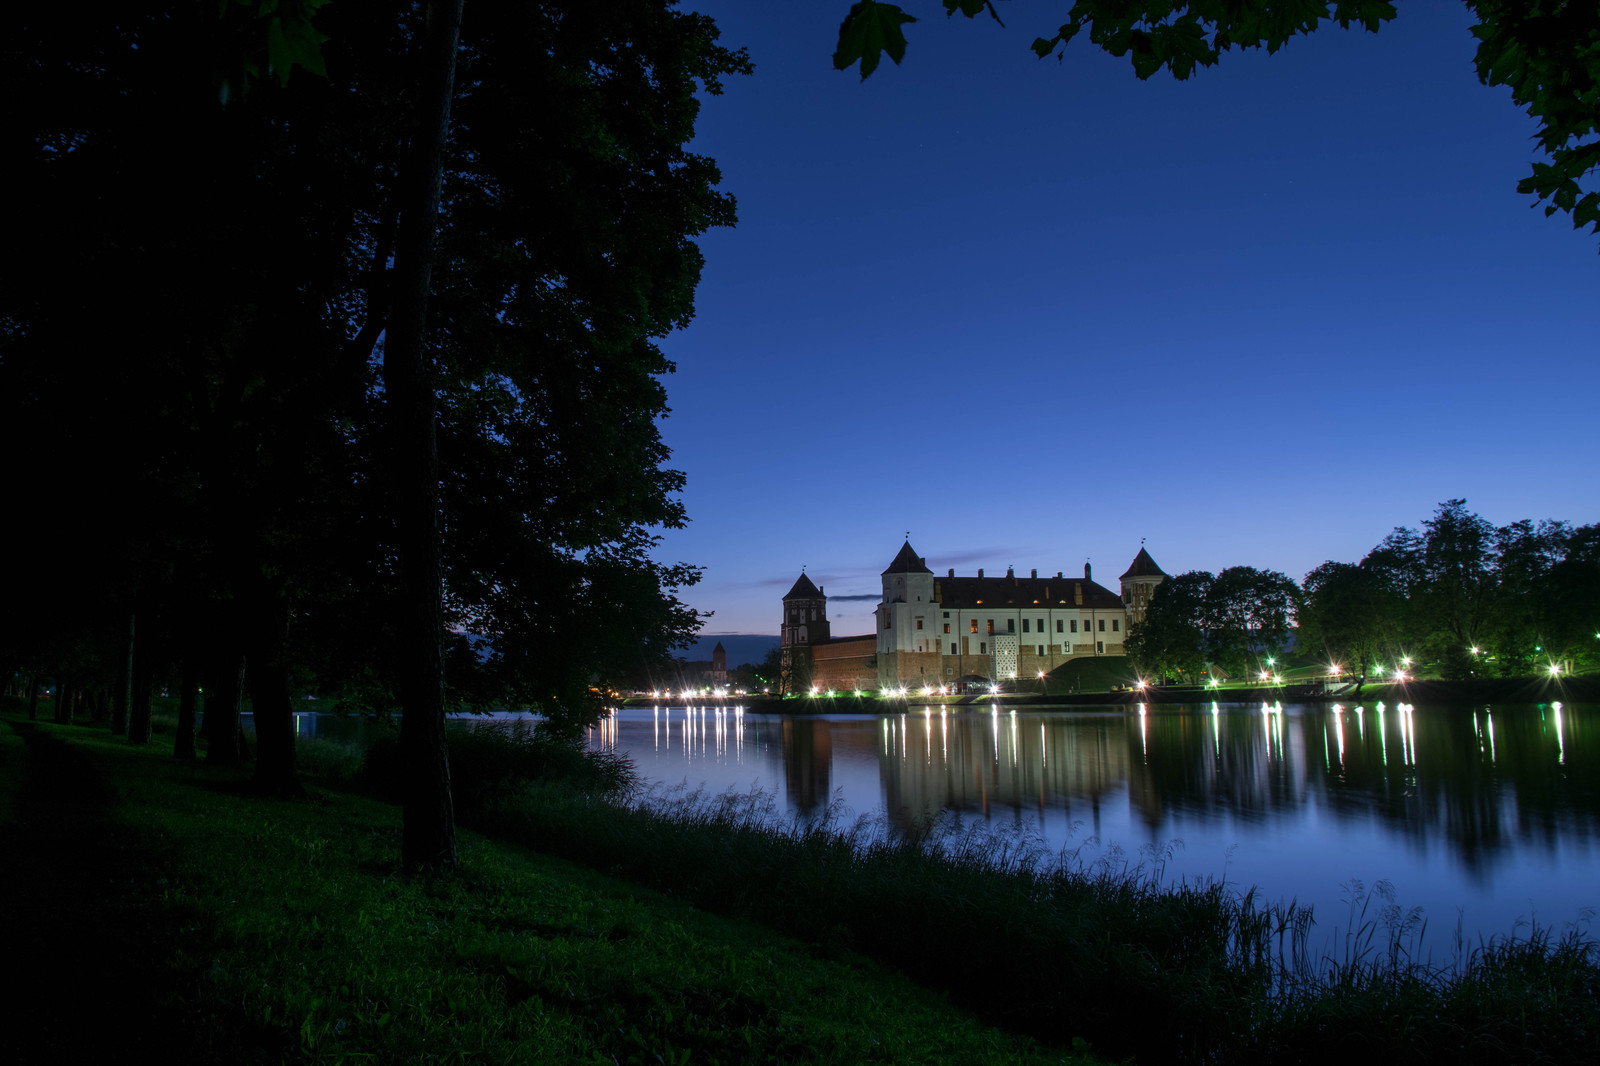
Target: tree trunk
x,y
63,713
139,725
269,697
123,694
33,698
99,705
188,692
428,817
225,745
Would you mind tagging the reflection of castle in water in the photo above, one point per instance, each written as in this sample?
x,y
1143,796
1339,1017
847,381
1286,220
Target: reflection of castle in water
x,y
1448,776
807,762
987,763
1484,783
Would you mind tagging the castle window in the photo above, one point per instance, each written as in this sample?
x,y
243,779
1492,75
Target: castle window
x,y
1059,627
1102,625
1100,646
1041,624
1041,651
1011,625
919,623
952,651
1024,625
947,625
991,626
974,625
947,614
983,648
1074,625
1114,622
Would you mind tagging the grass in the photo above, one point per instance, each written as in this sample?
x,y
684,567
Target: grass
x,y
1091,674
317,950
272,931
1037,944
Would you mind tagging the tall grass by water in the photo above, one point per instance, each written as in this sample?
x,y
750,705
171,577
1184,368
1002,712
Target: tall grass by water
x,y
236,927
1045,945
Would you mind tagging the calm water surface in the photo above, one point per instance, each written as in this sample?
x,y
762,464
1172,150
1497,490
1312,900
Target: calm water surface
x,y
1494,814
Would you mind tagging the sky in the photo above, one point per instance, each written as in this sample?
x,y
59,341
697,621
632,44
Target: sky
x,y
1034,312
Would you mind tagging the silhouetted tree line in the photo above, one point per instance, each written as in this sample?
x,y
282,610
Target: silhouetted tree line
x,y
1461,596
200,304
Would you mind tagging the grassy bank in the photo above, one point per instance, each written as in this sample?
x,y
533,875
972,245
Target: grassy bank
x,y
1162,974
285,930
207,925
1111,955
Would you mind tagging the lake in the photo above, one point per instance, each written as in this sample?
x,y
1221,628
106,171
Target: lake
x,y
1489,814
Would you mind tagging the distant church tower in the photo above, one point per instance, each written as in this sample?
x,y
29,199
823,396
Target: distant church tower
x,y
1139,584
719,664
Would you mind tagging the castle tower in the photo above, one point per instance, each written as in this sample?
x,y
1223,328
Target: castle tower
x,y
805,622
719,664
908,643
1139,584
805,615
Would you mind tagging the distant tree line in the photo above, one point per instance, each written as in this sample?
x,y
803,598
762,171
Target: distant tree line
x,y
1461,596
210,482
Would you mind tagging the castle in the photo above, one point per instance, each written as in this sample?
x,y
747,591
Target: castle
x,y
934,631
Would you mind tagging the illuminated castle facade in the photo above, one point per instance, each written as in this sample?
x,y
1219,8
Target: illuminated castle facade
x,y
934,630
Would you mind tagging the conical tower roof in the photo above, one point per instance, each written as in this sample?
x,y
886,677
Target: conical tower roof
x,y
908,562
803,589
1143,566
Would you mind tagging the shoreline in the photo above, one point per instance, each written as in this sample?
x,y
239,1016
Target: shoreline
x,y
1474,691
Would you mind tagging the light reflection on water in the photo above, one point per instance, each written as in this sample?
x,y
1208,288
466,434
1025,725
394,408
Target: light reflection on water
x,y
1495,813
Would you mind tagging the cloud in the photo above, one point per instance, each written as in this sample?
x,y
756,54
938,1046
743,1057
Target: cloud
x,y
865,597
971,555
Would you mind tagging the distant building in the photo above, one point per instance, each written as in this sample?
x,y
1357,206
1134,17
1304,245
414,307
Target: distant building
x,y
937,630
702,673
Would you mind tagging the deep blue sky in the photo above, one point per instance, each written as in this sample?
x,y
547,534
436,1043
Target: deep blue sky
x,y
1034,311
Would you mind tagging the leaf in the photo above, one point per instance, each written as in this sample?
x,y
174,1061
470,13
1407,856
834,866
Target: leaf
x,y
867,32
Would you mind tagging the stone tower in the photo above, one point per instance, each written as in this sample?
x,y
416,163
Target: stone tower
x,y
1139,584
805,615
805,622
908,644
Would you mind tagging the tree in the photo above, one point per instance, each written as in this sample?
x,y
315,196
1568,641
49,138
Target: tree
x,y
1341,615
1458,579
1547,51
428,823
1172,639
252,253
1396,565
1519,608
1251,616
1571,591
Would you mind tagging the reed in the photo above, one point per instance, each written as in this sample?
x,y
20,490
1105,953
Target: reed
x,y
1044,943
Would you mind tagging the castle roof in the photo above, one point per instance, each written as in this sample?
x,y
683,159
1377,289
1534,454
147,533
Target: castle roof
x,y
803,589
1143,566
908,562
967,592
